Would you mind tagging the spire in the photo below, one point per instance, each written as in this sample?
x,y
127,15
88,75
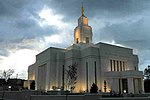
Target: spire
x,y
82,9
83,32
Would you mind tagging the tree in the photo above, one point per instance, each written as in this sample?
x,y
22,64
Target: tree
x,y
5,75
94,88
147,79
147,72
32,85
147,85
71,77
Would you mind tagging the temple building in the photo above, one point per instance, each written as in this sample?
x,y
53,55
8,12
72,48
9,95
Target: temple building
x,y
110,67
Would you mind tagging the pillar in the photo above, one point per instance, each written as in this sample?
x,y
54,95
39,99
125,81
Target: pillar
x,y
130,85
120,86
136,85
142,85
47,76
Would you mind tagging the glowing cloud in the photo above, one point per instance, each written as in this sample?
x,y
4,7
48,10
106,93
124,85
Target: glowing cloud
x,y
19,61
49,18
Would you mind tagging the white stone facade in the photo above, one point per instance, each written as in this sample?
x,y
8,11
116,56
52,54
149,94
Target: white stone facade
x,y
100,62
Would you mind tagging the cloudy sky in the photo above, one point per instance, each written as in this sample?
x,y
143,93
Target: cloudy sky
x,y
27,27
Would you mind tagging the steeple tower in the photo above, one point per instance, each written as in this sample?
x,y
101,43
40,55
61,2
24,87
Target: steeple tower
x,y
82,9
83,32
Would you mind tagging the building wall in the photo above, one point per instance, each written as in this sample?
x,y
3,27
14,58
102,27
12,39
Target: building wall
x,y
71,57
89,56
55,68
48,67
31,74
102,57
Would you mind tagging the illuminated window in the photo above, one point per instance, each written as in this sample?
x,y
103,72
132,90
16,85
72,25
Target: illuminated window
x,y
77,41
116,65
87,39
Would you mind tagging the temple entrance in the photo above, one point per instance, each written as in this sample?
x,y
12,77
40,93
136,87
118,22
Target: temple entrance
x,y
123,85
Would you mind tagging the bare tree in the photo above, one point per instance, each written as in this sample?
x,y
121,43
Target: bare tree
x,y
71,77
5,75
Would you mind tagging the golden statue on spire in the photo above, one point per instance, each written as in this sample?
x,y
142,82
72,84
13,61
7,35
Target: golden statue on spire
x,y
82,9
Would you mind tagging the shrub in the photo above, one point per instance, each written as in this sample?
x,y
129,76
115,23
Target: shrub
x,y
94,88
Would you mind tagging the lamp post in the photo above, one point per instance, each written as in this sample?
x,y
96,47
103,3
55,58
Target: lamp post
x,y
105,87
5,81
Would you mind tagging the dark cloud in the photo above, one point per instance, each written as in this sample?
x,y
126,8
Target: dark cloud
x,y
102,8
16,25
9,8
19,8
25,23
124,21
134,34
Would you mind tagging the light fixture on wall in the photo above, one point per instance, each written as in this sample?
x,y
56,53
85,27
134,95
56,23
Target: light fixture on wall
x,y
124,91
